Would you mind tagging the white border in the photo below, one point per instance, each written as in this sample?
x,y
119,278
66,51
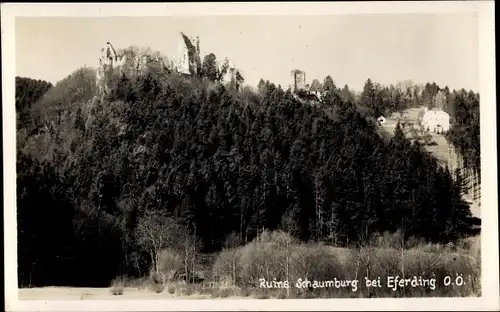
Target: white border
x,y
489,210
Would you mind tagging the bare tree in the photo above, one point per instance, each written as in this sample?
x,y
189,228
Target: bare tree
x,y
285,243
319,192
138,59
333,225
190,251
156,231
232,242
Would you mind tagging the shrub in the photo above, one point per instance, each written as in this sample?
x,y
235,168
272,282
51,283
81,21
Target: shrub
x,y
171,289
140,283
244,292
117,286
156,277
227,266
282,295
262,294
157,288
224,293
170,262
188,291
265,257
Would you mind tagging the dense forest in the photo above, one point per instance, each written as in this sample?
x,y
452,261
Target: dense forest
x,y
221,160
465,134
28,91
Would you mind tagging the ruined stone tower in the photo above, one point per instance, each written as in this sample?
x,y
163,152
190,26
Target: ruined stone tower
x,y
188,60
299,80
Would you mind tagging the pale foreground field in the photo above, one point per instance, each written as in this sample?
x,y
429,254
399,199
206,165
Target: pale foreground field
x,y
77,293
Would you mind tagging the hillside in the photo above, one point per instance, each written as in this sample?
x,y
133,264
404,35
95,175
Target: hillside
x,y
437,145
95,173
28,92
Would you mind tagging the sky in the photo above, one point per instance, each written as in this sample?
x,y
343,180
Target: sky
x,y
387,48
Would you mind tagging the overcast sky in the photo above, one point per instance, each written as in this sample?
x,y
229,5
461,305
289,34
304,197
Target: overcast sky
x,y
351,48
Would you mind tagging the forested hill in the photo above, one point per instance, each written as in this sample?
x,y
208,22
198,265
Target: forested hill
x,y
218,161
28,91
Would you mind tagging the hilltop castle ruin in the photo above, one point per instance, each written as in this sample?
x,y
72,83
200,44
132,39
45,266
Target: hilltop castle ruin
x,y
108,61
299,80
228,71
299,84
187,62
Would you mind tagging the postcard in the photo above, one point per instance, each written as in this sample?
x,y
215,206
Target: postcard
x,y
250,156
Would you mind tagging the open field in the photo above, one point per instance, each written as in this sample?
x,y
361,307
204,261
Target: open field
x,y
82,293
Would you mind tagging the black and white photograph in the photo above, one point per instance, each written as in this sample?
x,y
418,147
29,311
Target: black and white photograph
x,y
215,156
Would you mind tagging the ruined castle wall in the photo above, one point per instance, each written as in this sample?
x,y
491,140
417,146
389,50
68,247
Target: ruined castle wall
x,y
110,65
182,62
299,80
188,60
230,74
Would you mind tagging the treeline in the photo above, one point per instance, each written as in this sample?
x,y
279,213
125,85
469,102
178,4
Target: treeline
x,y
220,162
461,105
465,132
